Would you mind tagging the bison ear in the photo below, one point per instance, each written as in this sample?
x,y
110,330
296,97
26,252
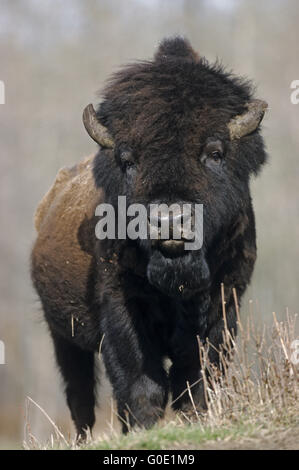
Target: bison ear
x,y
95,129
176,47
246,123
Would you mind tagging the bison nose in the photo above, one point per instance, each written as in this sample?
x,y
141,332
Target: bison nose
x,y
171,222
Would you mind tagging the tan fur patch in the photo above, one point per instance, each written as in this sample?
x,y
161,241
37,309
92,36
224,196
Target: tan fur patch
x,y
66,211
65,178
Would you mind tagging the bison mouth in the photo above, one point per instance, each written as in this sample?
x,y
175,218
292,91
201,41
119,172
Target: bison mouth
x,y
171,248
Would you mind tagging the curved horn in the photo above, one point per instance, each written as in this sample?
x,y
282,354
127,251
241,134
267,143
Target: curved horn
x,y
95,129
244,124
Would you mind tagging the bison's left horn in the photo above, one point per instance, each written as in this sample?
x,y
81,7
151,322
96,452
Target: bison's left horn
x,y
247,122
95,129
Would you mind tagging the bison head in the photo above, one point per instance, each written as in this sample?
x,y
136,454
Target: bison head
x,y
178,130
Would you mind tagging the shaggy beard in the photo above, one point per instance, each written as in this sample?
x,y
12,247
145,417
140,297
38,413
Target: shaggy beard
x,y
181,277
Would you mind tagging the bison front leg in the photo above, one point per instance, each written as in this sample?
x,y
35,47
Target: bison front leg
x,y
185,373
186,380
134,368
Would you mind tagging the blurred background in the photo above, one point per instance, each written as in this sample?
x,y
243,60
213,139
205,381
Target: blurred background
x,y
54,57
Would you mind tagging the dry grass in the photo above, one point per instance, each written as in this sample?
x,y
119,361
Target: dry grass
x,y
257,377
252,398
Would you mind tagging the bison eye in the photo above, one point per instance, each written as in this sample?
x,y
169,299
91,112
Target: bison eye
x,y
213,153
217,156
128,164
126,159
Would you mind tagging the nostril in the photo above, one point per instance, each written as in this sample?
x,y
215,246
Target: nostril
x,y
177,218
165,220
172,221
189,220
154,220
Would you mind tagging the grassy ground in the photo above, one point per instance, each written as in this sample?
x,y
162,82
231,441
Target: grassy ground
x,y
237,436
252,404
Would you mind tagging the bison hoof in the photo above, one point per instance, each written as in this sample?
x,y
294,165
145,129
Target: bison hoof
x,y
147,403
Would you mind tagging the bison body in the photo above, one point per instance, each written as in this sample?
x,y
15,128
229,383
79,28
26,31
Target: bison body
x,y
174,129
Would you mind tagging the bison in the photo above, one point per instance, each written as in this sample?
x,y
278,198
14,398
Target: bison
x,y
175,129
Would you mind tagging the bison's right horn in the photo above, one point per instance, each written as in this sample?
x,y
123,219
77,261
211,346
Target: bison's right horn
x,y
95,129
244,124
